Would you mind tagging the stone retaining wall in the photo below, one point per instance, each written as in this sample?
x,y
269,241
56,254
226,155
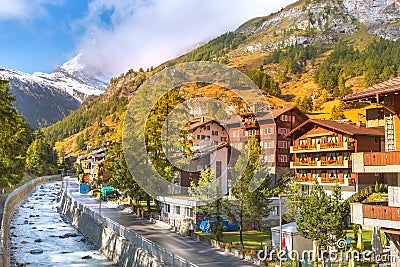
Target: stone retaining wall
x,y
13,201
119,244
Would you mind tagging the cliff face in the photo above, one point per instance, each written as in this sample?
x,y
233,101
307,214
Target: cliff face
x,y
321,22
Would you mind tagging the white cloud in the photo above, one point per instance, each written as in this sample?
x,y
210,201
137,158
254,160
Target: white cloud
x,y
141,33
23,9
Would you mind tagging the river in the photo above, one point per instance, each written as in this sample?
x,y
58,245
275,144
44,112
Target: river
x,y
41,237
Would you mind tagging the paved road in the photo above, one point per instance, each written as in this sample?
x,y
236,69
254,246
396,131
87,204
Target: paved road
x,y
189,249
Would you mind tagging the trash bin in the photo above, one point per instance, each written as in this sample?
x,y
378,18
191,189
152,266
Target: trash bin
x,y
83,188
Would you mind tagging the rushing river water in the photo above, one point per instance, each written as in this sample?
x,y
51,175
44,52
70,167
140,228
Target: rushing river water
x,y
40,236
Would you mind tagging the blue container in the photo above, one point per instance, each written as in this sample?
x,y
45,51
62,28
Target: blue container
x,y
83,188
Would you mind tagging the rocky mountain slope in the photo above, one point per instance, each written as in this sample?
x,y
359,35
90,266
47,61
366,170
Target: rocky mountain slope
x,y
320,24
45,98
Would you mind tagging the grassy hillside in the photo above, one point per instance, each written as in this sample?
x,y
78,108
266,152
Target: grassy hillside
x,y
327,65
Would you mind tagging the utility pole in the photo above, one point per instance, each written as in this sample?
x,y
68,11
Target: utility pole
x,y
280,226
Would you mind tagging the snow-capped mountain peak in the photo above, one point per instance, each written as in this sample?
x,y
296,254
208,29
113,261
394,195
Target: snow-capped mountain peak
x,y
45,98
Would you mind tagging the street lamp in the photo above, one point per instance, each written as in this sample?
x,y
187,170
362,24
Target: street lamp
x,y
280,226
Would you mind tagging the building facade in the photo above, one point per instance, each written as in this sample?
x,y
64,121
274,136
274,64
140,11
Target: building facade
x,y
385,215
270,129
321,152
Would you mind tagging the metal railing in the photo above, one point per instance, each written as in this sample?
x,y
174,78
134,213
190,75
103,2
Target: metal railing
x,y
162,254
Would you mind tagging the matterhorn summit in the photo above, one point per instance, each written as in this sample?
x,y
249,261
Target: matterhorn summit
x,y
44,98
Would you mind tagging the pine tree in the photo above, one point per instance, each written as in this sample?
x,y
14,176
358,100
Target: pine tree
x,y
41,159
203,191
14,136
339,212
251,187
313,221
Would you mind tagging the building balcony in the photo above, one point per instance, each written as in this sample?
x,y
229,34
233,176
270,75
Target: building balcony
x,y
376,162
377,214
323,164
326,181
340,146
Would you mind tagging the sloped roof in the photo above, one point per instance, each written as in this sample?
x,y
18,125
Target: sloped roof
x,y
346,128
386,87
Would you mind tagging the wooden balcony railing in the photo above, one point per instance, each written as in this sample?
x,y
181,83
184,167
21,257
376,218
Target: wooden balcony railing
x,y
337,180
307,179
305,147
304,163
332,145
325,180
381,212
331,162
381,158
325,146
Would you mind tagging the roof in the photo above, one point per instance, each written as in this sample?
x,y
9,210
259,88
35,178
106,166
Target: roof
x,y
277,112
343,127
205,150
267,116
387,87
286,228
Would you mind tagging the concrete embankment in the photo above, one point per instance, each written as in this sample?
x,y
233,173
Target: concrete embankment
x,y
13,201
119,244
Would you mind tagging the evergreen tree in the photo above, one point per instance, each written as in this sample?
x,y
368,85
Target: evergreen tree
x,y
251,189
313,221
337,112
80,143
14,136
122,179
204,190
322,218
295,197
41,159
339,211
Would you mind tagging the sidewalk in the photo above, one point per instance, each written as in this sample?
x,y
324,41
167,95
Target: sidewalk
x,y
194,251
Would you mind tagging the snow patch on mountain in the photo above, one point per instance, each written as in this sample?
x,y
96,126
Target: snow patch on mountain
x,y
72,78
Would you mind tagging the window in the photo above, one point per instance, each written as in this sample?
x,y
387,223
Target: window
x,y
177,209
283,131
208,127
332,174
236,133
282,144
214,133
198,137
267,131
189,212
270,144
332,139
302,173
167,208
203,137
207,137
283,158
286,118
275,211
223,139
269,158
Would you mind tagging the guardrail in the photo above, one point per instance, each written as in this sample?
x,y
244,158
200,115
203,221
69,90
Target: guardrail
x,y
164,255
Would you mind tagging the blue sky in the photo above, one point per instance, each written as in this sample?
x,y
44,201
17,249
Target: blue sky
x,y
115,35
